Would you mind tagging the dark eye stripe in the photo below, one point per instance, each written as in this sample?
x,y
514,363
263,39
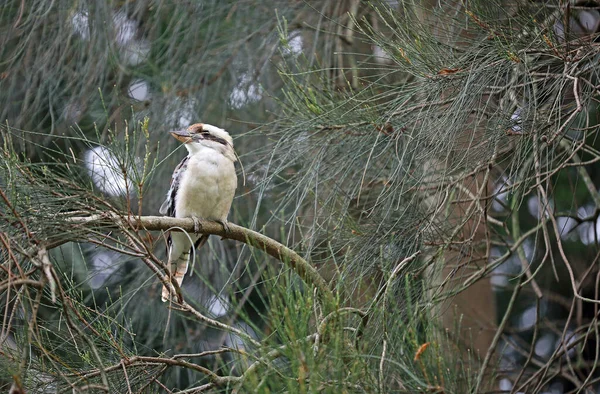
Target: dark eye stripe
x,y
213,138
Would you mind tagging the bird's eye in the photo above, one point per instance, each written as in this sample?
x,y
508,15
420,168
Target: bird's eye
x,y
204,131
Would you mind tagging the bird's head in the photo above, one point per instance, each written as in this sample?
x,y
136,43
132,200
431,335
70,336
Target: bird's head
x,y
200,135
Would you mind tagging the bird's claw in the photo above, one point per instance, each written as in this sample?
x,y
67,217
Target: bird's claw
x,y
225,225
197,225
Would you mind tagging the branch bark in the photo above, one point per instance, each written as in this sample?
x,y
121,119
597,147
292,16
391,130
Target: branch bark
x,y
238,233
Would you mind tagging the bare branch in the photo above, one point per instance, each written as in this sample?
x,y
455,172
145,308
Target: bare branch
x,y
237,233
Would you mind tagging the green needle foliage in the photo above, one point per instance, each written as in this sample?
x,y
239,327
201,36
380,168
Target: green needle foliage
x,y
414,154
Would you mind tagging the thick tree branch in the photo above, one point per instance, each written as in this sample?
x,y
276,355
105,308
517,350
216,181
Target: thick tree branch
x,y
163,223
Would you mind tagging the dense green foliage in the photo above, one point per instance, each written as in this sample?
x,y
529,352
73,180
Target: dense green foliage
x,y
409,152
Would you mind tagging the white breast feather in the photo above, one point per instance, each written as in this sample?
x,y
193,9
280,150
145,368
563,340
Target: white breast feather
x,y
204,191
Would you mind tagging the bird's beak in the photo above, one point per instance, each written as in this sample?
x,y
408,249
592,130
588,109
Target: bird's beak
x,y
182,135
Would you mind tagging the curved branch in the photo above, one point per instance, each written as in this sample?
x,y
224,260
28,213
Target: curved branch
x,y
238,233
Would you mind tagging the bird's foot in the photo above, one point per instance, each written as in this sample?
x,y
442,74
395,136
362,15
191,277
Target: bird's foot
x,y
225,225
197,225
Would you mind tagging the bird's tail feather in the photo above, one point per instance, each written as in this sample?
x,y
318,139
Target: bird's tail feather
x,y
179,267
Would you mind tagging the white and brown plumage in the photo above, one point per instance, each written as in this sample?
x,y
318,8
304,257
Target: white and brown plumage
x,y
203,186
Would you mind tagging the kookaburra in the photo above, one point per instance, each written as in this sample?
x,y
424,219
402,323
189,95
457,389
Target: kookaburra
x,y
203,186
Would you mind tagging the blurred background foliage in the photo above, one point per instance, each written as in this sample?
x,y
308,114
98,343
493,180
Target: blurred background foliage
x,y
435,160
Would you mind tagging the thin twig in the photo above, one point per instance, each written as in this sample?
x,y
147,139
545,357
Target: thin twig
x,y
497,335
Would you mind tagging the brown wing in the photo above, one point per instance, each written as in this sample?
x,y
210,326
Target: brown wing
x,y
168,207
